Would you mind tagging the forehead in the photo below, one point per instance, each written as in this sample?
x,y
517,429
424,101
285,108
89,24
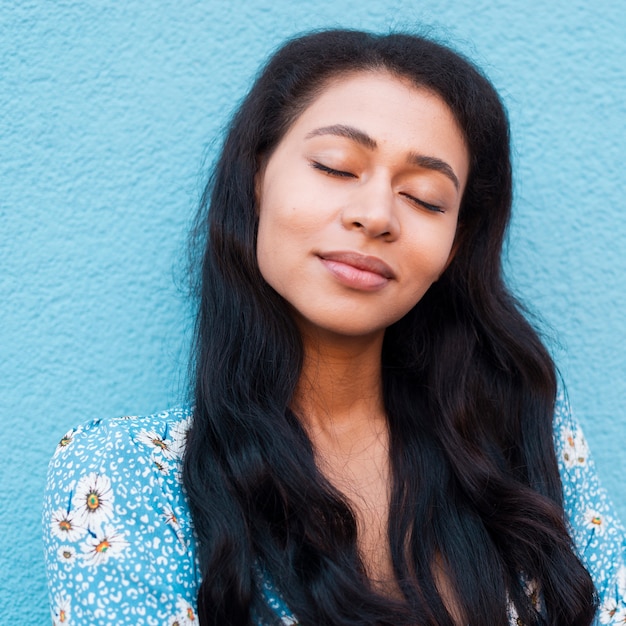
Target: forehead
x,y
378,94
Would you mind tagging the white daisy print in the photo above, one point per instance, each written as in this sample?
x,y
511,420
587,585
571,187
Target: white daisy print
x,y
621,580
108,543
158,443
65,525
93,499
162,468
65,441
172,520
62,610
608,611
186,616
575,448
67,554
531,588
612,613
178,433
169,516
595,521
513,615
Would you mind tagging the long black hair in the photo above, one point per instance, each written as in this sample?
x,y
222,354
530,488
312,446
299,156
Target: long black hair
x,y
468,387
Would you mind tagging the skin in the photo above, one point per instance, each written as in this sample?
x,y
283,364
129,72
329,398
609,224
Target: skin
x,y
373,169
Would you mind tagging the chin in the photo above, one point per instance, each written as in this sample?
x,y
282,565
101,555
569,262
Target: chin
x,y
345,328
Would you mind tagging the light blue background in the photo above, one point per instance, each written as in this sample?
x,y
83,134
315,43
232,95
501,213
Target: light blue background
x,y
109,112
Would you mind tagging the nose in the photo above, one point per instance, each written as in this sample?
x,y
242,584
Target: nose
x,y
371,210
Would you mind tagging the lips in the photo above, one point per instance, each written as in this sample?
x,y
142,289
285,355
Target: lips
x,y
358,271
360,262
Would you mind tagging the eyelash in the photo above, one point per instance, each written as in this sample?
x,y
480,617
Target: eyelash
x,y
425,205
331,171
341,174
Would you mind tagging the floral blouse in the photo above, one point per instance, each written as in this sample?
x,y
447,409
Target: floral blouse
x,y
120,547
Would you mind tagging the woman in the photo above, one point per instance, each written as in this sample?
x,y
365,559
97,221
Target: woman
x,y
373,437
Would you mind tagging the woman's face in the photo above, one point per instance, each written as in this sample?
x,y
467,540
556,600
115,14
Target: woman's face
x,y
358,204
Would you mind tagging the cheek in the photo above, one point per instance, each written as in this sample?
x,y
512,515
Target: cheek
x,y
431,248
269,230
289,226
279,238
266,248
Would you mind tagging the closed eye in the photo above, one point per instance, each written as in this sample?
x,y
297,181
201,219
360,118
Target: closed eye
x,y
421,203
330,171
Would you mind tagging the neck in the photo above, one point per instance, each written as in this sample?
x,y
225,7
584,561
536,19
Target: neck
x,y
339,395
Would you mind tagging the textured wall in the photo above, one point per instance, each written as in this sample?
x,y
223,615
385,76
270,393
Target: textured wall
x,y
108,111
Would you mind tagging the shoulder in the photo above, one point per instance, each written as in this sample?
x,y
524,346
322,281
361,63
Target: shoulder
x,y
129,450
116,521
586,504
109,464
162,432
578,473
597,532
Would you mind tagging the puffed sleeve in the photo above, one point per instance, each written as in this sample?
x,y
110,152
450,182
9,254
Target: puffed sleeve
x,y
595,528
119,545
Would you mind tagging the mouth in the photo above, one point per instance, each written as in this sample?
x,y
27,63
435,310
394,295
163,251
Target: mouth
x,y
358,271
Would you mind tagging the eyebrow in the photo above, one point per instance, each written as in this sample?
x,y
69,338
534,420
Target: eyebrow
x,y
349,132
414,158
435,164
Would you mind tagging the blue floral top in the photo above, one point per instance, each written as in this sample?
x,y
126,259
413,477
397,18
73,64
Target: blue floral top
x,y
120,547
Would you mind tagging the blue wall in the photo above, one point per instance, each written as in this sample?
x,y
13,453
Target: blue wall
x,y
108,113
